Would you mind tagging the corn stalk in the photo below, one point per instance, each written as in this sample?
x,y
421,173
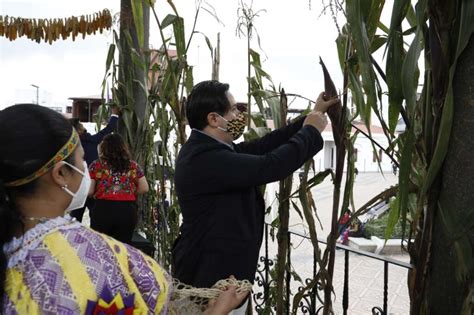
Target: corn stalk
x,y
441,31
164,81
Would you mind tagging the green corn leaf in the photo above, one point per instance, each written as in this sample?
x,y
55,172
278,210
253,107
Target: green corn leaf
x,y
178,28
404,175
341,43
393,217
383,27
349,185
377,42
371,11
189,79
409,78
208,42
110,57
358,94
361,43
297,209
137,59
395,56
319,178
411,16
168,20
137,9
259,120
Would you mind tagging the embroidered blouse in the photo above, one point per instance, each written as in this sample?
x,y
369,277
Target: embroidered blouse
x,y
112,185
63,267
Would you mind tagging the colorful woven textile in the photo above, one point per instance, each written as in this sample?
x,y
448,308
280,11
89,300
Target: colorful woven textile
x,y
62,267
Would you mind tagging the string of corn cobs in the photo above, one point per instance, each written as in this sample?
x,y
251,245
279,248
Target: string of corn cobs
x,y
50,30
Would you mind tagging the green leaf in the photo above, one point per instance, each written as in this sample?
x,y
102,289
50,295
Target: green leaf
x,y
409,78
404,175
189,79
383,27
259,120
361,43
110,57
348,188
377,42
208,42
342,42
297,209
137,59
180,40
393,217
395,57
137,9
371,11
358,94
319,178
168,20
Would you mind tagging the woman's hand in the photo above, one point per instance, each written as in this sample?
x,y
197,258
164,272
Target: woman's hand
x,y
226,302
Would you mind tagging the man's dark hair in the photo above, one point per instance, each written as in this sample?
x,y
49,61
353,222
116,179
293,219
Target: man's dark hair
x,y
206,97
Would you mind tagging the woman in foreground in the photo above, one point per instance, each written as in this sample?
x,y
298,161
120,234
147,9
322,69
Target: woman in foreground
x,y
50,263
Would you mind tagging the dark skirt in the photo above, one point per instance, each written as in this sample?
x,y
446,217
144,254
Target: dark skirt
x,y
114,218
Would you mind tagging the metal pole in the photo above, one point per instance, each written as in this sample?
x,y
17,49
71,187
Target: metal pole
x,y
37,93
345,294
89,108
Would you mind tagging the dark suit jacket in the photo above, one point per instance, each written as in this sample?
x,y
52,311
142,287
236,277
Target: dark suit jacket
x,y
90,142
222,207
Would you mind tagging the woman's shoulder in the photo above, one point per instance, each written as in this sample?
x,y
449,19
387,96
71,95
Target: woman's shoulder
x,y
97,164
134,164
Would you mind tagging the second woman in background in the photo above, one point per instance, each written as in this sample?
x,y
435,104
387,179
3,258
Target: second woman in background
x,y
116,182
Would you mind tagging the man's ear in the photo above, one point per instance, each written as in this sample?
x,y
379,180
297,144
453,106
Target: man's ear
x,y
212,119
60,174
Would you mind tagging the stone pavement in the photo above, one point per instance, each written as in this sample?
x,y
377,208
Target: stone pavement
x,y
366,279
366,275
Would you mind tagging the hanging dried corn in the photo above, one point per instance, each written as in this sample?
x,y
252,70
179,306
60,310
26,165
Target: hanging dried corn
x,y
50,30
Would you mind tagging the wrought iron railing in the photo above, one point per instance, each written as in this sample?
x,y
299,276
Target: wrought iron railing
x,y
312,302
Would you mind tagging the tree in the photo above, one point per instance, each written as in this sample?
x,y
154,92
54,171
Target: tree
x,y
133,56
435,150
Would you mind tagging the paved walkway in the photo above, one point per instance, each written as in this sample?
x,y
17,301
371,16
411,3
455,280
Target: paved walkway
x,y
366,277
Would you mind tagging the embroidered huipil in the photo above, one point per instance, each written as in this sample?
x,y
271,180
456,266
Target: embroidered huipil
x,y
112,185
63,267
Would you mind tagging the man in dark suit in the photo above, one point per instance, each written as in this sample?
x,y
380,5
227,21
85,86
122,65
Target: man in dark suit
x,y
217,183
89,144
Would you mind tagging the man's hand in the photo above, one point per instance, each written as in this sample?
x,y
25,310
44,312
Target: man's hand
x,y
323,103
316,119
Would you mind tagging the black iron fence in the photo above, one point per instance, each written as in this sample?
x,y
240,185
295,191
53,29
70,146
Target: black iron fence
x,y
312,301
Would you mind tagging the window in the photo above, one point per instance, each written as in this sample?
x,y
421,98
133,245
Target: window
x,y
380,154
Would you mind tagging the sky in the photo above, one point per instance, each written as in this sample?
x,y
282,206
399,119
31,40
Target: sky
x,y
293,35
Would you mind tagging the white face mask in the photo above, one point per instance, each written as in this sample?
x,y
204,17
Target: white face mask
x,y
80,196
